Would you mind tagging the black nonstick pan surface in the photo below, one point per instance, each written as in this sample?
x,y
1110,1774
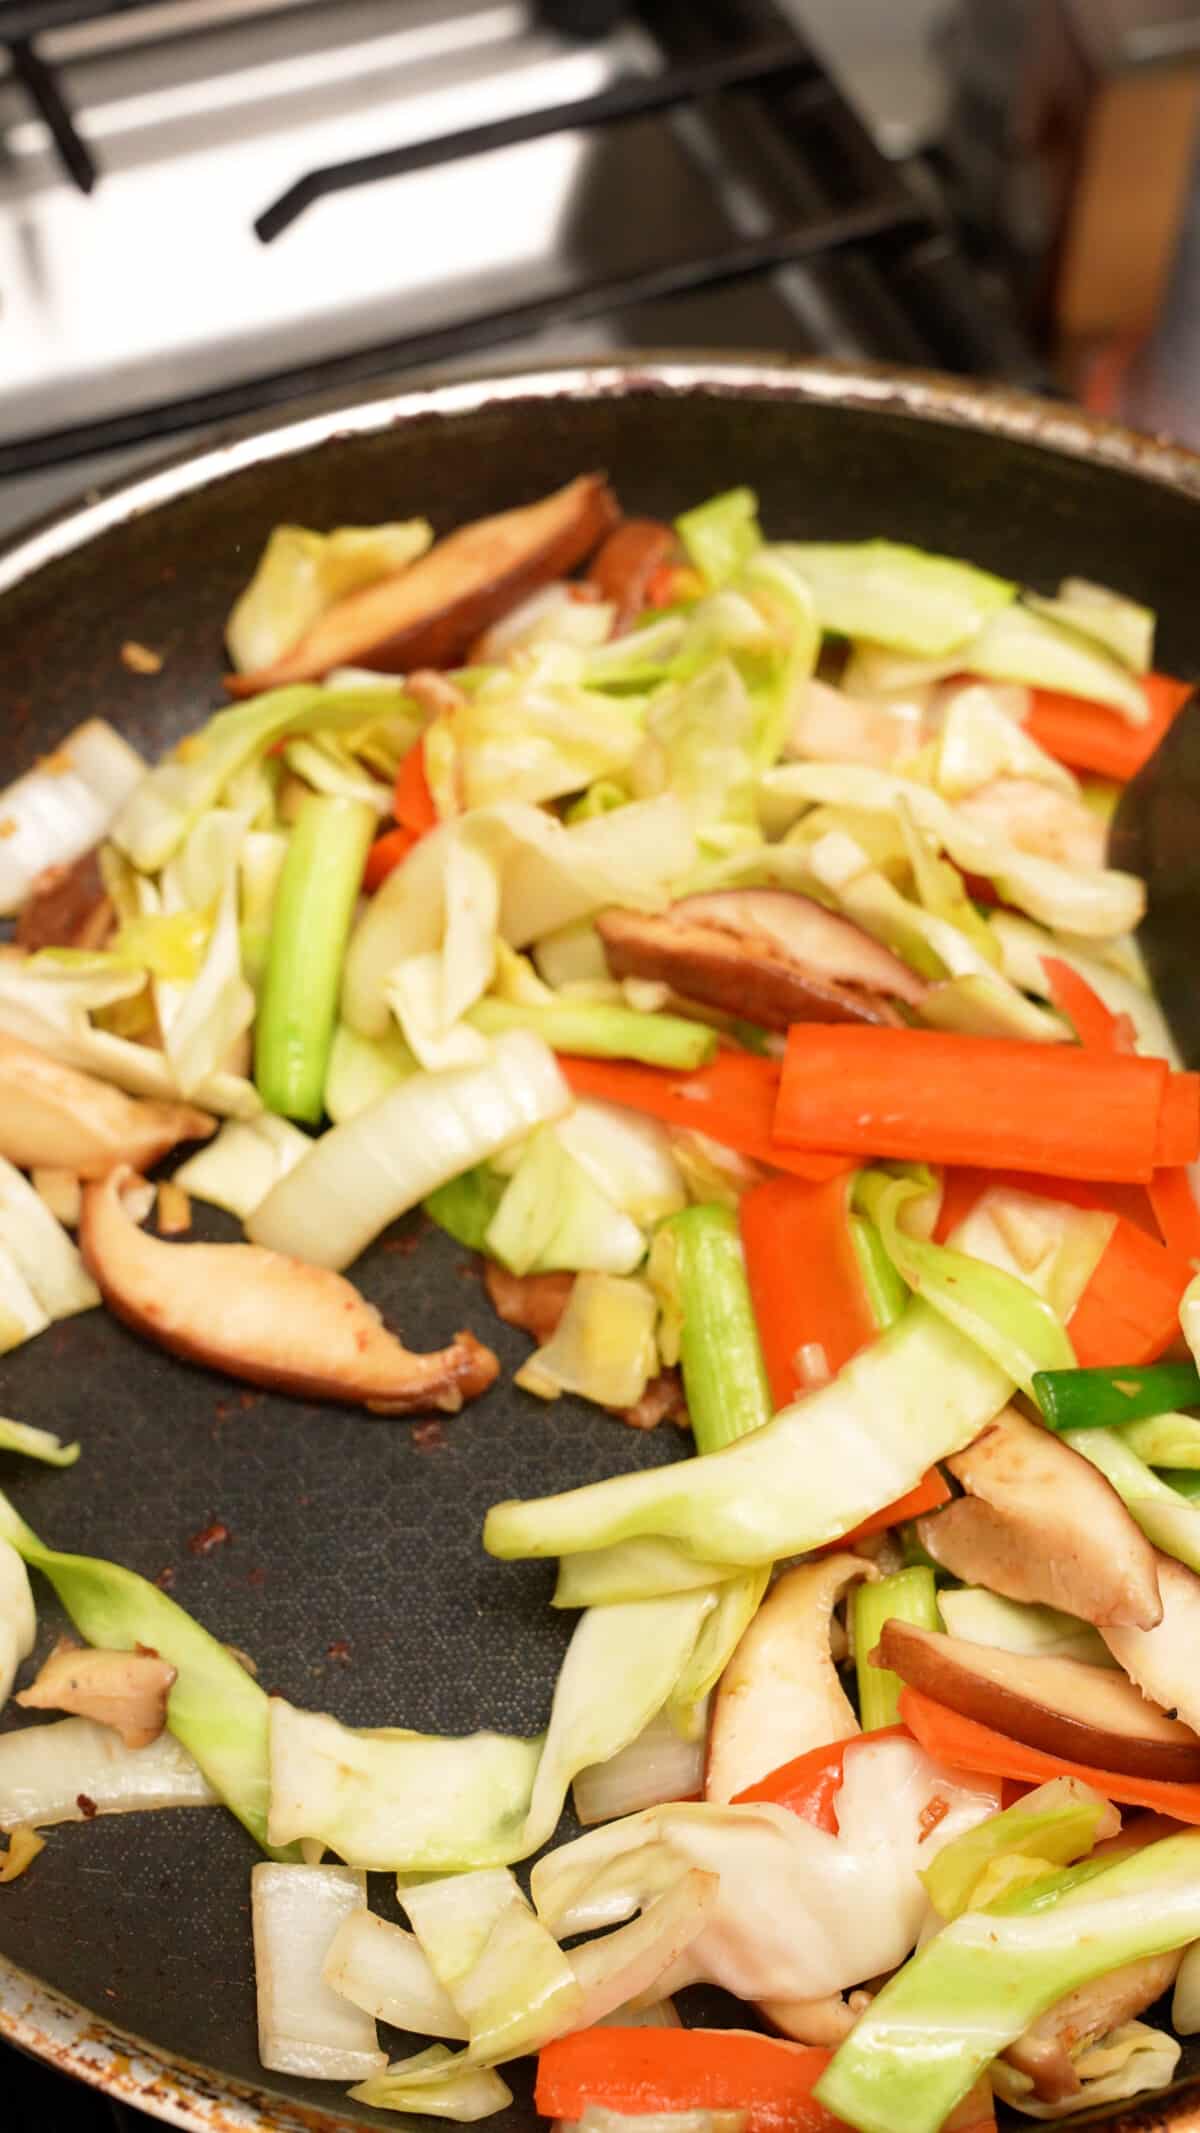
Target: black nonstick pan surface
x,y
351,1568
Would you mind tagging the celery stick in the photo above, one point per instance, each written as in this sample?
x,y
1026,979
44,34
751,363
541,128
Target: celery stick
x,y
909,1596
887,1293
723,1374
600,1032
318,888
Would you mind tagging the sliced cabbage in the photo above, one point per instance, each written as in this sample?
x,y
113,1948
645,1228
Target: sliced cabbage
x,y
700,746
1097,903
631,1570
237,1169
798,1912
1022,947
383,1970
1132,2060
554,1215
659,1766
1023,645
171,799
1165,1517
990,1007
1164,1440
465,1207
506,1974
299,574
326,766
50,1006
259,866
361,1070
21,1315
721,535
737,1602
535,734
984,1617
603,1347
1056,1823
437,2083
360,1176
628,1156
976,1987
912,601
303,2027
930,945
1111,619
41,1250
202,1021
45,1772
18,1620
979,742
57,811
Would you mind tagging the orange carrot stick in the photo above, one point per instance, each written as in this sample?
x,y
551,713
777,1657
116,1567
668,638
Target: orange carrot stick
x,y
385,855
1095,1025
1176,1211
637,2071
933,1096
732,1100
1091,737
1178,1138
930,1494
413,804
1129,1311
808,1786
963,1744
805,1281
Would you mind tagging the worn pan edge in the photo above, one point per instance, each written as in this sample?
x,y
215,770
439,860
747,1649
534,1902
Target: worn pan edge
x,y
36,2018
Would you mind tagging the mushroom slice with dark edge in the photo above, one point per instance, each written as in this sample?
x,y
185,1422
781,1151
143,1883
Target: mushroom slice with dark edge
x,y
1163,1660
52,1117
536,1302
125,1690
1080,2018
623,567
67,907
1069,1709
428,614
265,1318
780,1695
770,956
1039,1523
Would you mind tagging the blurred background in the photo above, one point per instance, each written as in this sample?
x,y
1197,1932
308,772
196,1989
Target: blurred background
x,y
210,207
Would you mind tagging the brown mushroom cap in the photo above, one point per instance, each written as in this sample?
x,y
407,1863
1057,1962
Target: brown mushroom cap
x,y
1034,1525
1079,1712
267,1319
428,615
770,956
1162,1659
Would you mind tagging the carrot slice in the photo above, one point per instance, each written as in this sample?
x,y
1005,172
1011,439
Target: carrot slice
x,y
413,804
808,1786
637,2071
931,1492
963,1744
804,1275
1129,1311
1091,737
934,1096
732,1100
1095,1025
1178,1138
385,855
1176,1211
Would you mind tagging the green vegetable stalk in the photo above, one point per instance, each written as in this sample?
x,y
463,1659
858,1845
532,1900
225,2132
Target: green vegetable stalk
x,y
909,1596
1100,1399
603,1032
1057,1822
887,1294
973,1990
215,1709
723,1374
318,888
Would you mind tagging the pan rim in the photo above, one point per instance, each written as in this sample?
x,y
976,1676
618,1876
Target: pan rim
x,y
34,2016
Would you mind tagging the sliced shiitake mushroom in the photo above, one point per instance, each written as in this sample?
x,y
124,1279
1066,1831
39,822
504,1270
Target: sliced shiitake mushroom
x,y
1079,1712
1039,1523
1079,2018
427,615
270,1320
125,1690
536,1302
1162,1660
54,1117
780,1695
770,956
67,907
623,567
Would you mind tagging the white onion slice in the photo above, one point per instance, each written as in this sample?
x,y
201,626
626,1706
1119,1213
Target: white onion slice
x,y
359,1177
624,1965
385,1971
63,806
49,1260
303,2027
48,1773
656,1767
18,1620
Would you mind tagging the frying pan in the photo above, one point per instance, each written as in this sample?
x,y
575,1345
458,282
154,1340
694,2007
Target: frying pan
x,y
352,1571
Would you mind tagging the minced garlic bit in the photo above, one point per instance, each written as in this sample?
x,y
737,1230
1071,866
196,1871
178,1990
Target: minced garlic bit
x,y
139,658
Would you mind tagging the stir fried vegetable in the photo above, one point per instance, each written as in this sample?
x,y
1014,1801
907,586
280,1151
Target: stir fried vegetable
x,y
722,944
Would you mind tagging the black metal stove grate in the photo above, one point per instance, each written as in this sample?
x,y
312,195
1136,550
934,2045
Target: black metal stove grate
x,y
875,230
